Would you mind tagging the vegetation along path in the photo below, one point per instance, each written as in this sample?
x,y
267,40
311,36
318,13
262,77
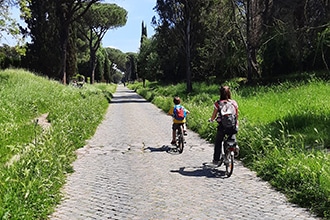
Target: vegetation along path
x,y
125,172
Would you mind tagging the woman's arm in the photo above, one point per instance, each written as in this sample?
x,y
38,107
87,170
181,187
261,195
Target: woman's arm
x,y
214,114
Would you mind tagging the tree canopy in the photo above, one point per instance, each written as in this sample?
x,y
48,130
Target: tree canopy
x,y
198,40
95,23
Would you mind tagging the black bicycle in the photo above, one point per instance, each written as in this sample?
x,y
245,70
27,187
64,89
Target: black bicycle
x,y
229,150
180,139
179,142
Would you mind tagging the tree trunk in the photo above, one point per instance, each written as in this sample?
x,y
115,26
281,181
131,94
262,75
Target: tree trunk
x,y
253,36
64,44
188,47
92,65
188,57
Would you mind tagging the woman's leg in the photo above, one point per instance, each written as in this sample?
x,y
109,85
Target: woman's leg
x,y
217,145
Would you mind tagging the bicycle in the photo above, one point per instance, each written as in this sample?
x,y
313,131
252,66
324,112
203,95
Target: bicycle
x,y
180,139
229,150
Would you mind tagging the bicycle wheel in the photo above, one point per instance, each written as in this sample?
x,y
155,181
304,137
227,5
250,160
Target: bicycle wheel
x,y
180,140
229,164
180,143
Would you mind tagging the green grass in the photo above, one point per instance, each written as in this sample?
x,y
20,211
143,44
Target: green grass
x,y
30,184
283,135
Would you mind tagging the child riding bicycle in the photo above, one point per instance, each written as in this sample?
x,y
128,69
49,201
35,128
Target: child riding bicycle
x,y
179,113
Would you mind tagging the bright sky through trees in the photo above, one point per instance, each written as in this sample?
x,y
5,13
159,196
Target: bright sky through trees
x,y
127,38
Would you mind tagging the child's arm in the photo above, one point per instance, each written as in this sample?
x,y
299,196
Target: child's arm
x,y
170,112
187,111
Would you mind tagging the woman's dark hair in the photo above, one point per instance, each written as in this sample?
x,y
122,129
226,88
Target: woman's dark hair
x,y
225,93
176,100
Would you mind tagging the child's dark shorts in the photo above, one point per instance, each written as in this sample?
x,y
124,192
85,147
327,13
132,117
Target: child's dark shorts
x,y
176,125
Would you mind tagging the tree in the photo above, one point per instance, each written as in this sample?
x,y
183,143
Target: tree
x,y
68,11
120,62
144,32
9,25
180,27
294,37
169,54
148,61
118,57
131,67
254,13
98,20
9,57
43,53
221,54
177,15
50,26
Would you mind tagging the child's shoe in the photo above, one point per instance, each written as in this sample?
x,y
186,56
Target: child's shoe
x,y
184,132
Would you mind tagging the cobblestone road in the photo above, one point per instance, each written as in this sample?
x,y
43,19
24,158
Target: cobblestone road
x,y
124,172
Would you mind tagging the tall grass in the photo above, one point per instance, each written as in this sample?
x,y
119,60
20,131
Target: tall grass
x,y
34,160
283,134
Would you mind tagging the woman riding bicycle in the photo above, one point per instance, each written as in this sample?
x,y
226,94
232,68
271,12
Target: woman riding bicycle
x,y
223,130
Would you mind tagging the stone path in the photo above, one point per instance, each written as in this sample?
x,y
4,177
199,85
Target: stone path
x,y
124,172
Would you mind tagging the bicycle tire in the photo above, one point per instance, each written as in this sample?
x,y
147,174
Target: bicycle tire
x,y
180,144
230,164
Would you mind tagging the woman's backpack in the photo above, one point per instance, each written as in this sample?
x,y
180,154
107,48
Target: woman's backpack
x,y
227,114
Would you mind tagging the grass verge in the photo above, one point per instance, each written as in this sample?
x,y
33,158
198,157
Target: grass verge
x,y
34,161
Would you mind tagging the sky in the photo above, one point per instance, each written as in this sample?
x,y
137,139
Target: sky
x,y
126,38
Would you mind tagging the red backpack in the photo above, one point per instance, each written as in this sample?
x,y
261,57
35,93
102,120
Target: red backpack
x,y
179,113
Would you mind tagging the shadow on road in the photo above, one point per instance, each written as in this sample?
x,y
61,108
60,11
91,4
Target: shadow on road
x,y
125,91
127,98
202,171
163,148
128,101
